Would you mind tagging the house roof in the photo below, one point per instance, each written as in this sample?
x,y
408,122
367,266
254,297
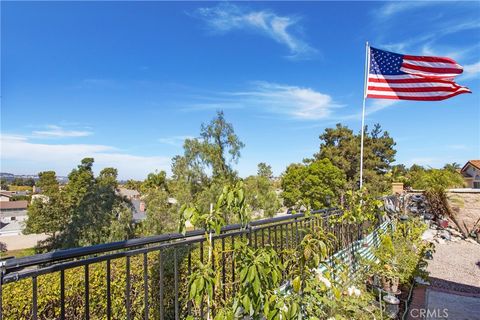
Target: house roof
x,y
6,194
473,163
5,205
128,192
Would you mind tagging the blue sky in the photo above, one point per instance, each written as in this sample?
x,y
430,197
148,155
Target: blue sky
x,y
126,82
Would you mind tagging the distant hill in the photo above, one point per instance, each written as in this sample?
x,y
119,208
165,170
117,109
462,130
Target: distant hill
x,y
10,177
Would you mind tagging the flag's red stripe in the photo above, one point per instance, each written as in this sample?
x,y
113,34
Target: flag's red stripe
x,y
417,89
429,59
413,80
432,70
433,98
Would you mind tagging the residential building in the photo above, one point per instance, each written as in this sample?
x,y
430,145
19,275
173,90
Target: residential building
x,y
5,195
471,174
130,194
12,216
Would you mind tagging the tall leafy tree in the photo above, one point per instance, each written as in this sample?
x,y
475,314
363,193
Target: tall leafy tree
x,y
264,170
47,213
218,147
207,164
342,147
315,184
260,192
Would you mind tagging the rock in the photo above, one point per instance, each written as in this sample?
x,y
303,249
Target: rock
x,y
429,235
444,234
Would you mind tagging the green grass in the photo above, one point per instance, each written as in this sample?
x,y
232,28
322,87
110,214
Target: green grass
x,y
18,253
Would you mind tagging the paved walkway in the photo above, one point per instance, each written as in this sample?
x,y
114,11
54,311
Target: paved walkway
x,y
454,291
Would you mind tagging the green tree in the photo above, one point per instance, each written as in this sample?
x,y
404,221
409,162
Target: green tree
x,y
420,178
217,149
260,192
342,147
206,165
454,166
48,183
316,184
122,227
155,180
264,170
133,184
92,206
161,215
47,213
4,184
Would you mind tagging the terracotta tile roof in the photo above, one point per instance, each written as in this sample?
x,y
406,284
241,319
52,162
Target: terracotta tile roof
x,y
13,204
473,163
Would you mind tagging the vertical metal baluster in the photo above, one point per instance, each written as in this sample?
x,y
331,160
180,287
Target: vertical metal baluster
x,y
296,233
255,233
213,268
160,258
175,270
189,303
34,298
275,237
2,266
233,266
109,298
1,292
287,243
263,237
127,287
145,284
293,236
87,294
201,260
281,242
223,269
269,236
62,294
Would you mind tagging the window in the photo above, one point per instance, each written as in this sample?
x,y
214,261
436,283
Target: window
x,y
476,184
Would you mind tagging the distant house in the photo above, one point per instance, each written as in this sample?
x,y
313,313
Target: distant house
x,y
5,195
12,215
130,194
471,174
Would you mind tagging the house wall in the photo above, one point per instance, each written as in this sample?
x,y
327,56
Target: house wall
x,y
19,215
474,173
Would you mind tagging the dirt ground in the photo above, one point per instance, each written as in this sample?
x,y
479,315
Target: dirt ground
x,y
17,242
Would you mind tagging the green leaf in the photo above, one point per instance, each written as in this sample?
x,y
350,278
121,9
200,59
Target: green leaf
x,y
296,284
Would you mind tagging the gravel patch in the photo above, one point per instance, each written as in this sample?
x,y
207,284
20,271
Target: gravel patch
x,y
456,266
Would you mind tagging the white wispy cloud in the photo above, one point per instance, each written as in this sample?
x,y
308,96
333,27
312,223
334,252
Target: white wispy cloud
x,y
175,140
392,8
379,104
471,71
20,152
53,131
293,101
227,17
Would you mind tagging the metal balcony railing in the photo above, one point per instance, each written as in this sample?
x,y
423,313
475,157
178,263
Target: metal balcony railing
x,y
146,277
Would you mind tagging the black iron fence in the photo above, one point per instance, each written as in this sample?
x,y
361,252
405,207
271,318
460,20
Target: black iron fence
x,y
144,278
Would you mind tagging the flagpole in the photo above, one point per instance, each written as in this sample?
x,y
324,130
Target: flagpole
x,y
367,67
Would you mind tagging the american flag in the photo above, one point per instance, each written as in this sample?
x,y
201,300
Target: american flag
x,y
397,76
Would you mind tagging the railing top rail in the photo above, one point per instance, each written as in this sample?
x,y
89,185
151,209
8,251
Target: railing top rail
x,y
56,256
